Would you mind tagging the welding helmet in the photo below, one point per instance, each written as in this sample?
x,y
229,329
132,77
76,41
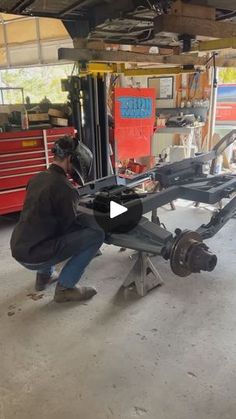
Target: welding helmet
x,y
81,157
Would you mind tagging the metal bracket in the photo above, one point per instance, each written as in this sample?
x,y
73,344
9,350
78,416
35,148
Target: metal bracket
x,y
143,275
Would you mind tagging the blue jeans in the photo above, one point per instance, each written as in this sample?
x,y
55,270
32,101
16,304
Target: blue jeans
x,y
80,247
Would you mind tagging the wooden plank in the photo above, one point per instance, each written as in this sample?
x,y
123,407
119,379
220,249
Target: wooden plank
x,y
194,26
38,117
100,45
59,122
163,50
73,54
218,4
86,43
226,62
86,55
55,112
185,9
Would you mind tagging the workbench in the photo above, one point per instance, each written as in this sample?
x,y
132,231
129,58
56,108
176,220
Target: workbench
x,y
189,136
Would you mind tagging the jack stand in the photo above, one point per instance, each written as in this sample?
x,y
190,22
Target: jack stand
x,y
143,275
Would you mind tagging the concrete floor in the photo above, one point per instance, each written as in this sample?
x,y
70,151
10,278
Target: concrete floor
x,y
170,355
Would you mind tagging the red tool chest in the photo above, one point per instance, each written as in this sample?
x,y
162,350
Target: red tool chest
x,y
22,155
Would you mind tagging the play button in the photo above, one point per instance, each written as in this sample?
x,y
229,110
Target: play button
x,y
116,209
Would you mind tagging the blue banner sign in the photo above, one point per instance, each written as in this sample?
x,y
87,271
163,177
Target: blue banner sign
x,y
135,107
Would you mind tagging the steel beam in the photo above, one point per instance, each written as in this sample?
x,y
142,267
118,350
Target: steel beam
x,y
216,44
156,71
218,220
98,68
102,68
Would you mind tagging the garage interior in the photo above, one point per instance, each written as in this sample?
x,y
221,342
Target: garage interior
x,y
154,348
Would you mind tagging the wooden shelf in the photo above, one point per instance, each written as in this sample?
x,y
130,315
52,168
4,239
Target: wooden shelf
x,y
179,130
198,111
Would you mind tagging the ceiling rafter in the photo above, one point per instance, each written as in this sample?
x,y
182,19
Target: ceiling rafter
x,y
22,5
87,55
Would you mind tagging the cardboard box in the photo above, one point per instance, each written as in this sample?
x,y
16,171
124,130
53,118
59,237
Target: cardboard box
x,y
38,117
4,118
59,122
56,113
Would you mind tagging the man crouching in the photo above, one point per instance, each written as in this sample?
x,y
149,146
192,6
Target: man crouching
x,y
49,232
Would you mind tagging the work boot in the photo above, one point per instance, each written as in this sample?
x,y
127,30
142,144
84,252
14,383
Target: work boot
x,y
42,280
62,295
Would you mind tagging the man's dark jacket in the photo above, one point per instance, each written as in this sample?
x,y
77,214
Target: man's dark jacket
x,y
49,211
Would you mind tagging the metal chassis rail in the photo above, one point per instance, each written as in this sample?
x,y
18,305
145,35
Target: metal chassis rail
x,y
185,249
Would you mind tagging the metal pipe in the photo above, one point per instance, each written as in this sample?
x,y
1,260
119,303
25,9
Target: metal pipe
x,y
213,103
37,25
6,44
137,182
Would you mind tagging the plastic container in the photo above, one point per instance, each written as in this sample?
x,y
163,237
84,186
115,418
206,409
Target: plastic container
x,y
218,165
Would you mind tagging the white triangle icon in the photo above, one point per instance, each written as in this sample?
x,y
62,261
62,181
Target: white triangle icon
x,y
116,209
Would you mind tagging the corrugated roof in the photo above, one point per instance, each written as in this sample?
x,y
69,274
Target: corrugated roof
x,y
53,8
41,38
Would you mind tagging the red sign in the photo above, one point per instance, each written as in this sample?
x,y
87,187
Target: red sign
x,y
134,122
226,112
